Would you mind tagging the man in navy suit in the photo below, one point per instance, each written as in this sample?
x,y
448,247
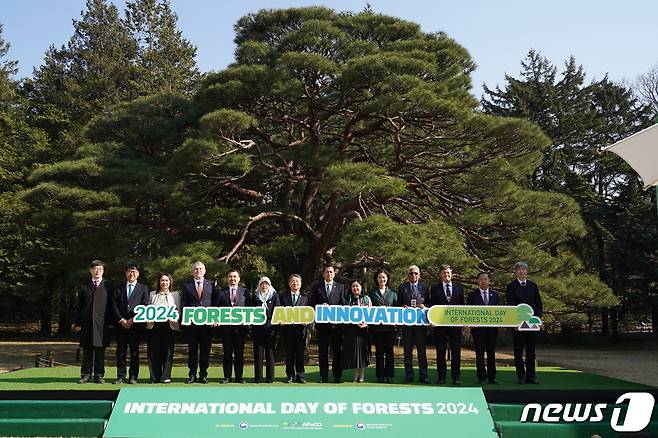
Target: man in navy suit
x,y
294,334
125,297
484,338
328,291
413,293
233,336
198,292
448,293
522,290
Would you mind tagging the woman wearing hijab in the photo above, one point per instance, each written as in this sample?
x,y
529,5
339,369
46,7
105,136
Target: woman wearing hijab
x,y
264,335
356,351
161,334
383,335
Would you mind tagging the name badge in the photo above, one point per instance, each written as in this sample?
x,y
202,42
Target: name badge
x,y
413,303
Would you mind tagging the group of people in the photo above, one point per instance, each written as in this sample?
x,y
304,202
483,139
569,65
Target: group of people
x,y
100,304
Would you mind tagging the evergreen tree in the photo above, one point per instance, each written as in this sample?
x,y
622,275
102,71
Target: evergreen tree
x,y
580,119
165,60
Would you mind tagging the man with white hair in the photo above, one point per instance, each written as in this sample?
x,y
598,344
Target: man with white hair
x,y
413,293
198,292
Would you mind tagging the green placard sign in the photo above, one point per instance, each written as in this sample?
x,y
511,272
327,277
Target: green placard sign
x,y
298,412
520,316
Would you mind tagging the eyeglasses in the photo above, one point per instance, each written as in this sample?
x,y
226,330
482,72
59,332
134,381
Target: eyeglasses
x,y
414,273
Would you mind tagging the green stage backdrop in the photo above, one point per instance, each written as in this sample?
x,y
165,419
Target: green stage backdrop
x,y
277,412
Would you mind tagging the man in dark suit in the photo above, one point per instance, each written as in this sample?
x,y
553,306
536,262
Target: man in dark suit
x,y
413,293
448,293
233,336
198,292
294,334
125,297
522,290
92,321
484,338
327,291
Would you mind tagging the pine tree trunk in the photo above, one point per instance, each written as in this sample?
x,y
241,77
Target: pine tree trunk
x,y
605,322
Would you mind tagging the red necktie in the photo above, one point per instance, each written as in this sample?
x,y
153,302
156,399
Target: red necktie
x,y
233,300
199,288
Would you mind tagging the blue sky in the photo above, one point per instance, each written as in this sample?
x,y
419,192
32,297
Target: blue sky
x,y
614,37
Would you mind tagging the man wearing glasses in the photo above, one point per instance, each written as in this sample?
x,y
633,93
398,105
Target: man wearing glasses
x,y
413,293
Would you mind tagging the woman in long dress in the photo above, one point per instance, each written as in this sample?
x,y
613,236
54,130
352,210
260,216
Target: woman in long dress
x,y
356,351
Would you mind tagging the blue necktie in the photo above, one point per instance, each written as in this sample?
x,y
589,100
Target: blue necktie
x,y
130,290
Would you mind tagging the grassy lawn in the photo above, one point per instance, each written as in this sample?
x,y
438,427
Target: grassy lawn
x,y
65,378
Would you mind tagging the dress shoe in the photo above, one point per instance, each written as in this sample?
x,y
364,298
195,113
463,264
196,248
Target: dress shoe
x,y
239,381
269,380
531,382
203,380
324,380
482,382
84,379
166,381
301,380
190,379
408,380
456,382
257,381
132,381
380,380
290,380
226,380
441,381
360,380
338,380
424,380
494,382
119,381
99,379
387,379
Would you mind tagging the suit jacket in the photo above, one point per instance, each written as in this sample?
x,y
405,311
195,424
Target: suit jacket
x,y
517,294
190,298
124,308
92,314
319,294
438,295
475,298
389,298
269,305
404,294
224,300
285,299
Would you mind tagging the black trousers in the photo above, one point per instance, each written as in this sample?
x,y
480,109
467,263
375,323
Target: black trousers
x,y
295,340
524,340
484,340
453,336
95,355
199,339
161,351
264,346
128,340
233,339
330,334
385,362
414,336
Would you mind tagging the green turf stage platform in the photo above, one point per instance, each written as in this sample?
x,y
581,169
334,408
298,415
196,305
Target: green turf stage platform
x,y
49,402
65,378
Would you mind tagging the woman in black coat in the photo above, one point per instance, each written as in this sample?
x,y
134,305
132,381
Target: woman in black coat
x,y
356,350
264,335
383,335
